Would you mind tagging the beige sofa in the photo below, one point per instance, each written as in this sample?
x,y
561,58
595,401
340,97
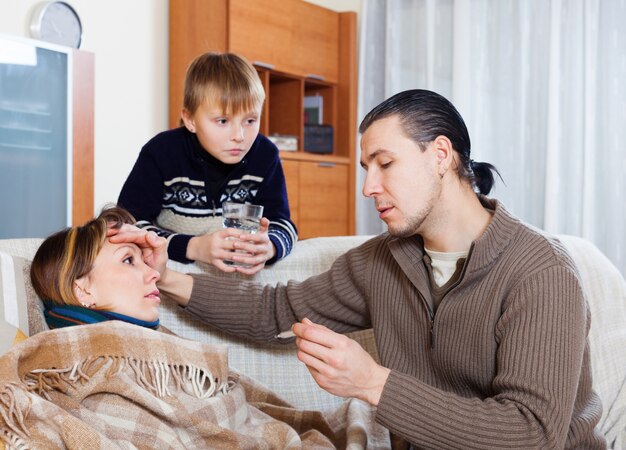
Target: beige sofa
x,y
278,367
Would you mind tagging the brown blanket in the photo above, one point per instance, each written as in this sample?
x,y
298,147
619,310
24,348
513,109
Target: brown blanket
x,y
115,385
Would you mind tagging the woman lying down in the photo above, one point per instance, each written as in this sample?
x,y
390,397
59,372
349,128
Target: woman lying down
x,y
103,378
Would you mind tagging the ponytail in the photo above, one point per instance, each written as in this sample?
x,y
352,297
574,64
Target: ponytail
x,y
482,176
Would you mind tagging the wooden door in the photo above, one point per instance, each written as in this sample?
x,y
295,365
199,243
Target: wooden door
x,y
316,42
262,32
291,170
323,206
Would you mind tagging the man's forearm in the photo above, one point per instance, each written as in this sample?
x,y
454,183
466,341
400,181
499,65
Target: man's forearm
x,y
176,286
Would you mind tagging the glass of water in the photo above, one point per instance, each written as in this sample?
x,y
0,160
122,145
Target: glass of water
x,y
244,217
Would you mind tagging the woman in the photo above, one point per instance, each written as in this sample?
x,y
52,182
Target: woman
x,y
112,384
84,278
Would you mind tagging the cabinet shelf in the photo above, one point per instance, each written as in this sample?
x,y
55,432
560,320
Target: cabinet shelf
x,y
26,129
22,110
304,156
23,146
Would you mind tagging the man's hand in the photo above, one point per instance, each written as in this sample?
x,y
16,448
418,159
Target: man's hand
x,y
339,364
153,247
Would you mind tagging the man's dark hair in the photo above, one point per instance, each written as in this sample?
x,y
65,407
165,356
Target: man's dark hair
x,y
425,115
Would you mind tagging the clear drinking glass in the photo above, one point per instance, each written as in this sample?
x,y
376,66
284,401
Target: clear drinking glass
x,y
244,217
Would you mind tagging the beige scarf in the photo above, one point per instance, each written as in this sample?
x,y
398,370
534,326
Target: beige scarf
x,y
116,385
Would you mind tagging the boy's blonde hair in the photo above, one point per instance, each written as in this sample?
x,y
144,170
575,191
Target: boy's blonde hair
x,y
225,80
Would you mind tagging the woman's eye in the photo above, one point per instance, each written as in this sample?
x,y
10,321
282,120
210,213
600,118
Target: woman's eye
x,y
385,165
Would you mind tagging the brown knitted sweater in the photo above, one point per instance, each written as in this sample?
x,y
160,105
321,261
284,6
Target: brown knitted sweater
x,y
504,363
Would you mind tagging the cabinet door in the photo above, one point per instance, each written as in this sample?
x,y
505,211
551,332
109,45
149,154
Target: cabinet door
x,y
291,169
291,36
262,32
323,206
316,41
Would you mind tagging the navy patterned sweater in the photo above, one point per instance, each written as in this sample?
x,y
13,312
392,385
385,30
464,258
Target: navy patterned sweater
x,y
176,189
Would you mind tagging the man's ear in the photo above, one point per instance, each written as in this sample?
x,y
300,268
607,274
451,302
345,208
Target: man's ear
x,y
444,153
190,124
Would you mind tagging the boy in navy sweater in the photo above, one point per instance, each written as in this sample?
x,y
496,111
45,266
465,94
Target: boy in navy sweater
x,y
182,176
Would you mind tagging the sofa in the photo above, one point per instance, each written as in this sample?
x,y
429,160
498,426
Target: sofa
x,y
277,366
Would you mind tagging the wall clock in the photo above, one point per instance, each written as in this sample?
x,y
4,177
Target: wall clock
x,y
56,22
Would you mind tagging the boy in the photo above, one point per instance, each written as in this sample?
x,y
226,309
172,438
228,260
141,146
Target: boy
x,y
182,176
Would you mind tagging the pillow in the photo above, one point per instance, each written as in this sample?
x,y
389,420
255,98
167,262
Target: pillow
x,y
19,305
9,336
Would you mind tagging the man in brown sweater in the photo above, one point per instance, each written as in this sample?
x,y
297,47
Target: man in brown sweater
x,y
479,319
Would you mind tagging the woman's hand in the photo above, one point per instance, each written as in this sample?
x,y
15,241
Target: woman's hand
x,y
176,285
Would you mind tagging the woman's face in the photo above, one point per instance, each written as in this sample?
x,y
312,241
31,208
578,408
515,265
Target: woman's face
x,y
121,282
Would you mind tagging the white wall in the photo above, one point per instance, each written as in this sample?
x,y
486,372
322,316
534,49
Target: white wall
x,y
130,41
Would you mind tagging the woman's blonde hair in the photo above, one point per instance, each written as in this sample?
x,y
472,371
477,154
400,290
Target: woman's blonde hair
x,y
225,80
69,254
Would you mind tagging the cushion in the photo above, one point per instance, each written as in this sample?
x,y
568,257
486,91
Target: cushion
x,y
19,305
24,248
13,304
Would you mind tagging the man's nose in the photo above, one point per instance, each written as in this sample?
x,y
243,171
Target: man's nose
x,y
371,185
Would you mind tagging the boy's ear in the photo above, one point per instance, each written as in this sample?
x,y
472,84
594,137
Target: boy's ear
x,y
190,124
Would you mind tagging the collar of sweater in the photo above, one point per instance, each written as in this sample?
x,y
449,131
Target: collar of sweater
x,y
484,250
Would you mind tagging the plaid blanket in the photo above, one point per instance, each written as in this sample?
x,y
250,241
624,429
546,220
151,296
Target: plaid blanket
x,y
116,385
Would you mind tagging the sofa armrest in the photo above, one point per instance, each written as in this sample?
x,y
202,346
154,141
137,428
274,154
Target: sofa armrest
x,y
605,290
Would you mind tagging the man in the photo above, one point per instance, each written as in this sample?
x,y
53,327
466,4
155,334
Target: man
x,y
479,319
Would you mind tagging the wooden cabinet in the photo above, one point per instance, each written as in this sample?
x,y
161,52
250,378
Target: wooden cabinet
x,y
46,137
299,49
83,137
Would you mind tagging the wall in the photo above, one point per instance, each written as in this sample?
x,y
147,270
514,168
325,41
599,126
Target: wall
x,y
130,43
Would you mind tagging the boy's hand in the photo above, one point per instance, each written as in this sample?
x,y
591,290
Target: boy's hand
x,y
258,247
213,248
